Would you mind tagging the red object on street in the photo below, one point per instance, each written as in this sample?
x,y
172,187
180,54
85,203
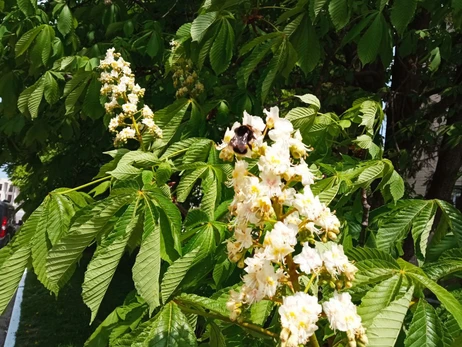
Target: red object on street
x,y
3,228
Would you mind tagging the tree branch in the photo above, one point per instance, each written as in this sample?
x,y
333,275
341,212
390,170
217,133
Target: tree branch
x,y
366,209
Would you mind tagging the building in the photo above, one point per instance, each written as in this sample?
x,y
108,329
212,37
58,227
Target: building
x,y
8,192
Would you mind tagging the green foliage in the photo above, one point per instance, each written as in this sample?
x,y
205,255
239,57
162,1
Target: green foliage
x,y
166,201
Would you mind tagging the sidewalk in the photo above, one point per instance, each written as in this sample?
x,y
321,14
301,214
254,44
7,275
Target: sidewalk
x,y
5,321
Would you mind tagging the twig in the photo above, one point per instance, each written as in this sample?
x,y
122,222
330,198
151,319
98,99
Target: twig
x,y
366,209
171,8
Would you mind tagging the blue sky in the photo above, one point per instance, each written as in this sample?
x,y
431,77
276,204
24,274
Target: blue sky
x,y
2,173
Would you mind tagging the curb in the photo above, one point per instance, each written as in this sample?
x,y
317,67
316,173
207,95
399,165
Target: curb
x,y
16,315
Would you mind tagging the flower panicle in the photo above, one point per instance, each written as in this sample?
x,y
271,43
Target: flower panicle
x,y
125,96
273,211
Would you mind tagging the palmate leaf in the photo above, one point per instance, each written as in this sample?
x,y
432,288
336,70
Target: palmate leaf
x,y
35,98
425,328
422,226
104,263
216,336
146,270
63,256
385,327
170,328
197,152
453,217
203,304
274,67
12,266
378,298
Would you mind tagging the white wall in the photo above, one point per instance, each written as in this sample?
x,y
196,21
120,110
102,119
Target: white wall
x,y
9,193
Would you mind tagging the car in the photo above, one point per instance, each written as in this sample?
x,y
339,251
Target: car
x,y
7,223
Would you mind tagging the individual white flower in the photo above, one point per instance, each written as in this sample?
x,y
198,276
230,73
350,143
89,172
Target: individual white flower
x,y
271,182
256,123
304,173
299,314
297,147
138,90
125,134
279,242
276,159
309,259
287,196
307,204
261,280
328,221
234,251
282,130
133,98
234,303
111,105
113,124
129,108
271,116
239,174
244,237
342,313
146,112
334,259
292,221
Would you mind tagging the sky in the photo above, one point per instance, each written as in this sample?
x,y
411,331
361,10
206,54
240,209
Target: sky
x,y
2,173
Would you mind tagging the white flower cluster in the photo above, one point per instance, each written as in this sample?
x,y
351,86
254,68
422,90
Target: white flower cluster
x,y
274,210
124,99
342,316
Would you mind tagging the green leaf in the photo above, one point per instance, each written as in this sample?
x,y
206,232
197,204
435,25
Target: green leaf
x,y
146,270
252,61
176,272
339,14
27,7
274,66
370,173
187,182
36,98
104,263
210,194
396,226
385,327
170,215
13,265
203,304
170,328
201,24
402,14
257,42
368,110
51,89
54,222
422,226
63,256
65,21
317,6
169,119
125,171
310,99
306,43
26,40
442,268
453,217
260,311
216,336
424,328
378,298
369,44
221,51
446,298
91,104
